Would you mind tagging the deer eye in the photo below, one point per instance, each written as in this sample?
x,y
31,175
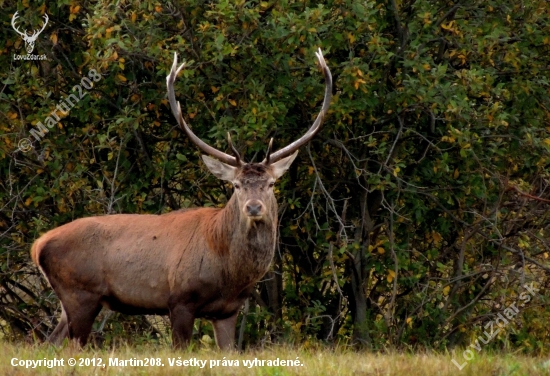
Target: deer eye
x,y
237,186
271,185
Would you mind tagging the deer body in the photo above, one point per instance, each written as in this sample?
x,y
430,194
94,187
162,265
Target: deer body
x,y
173,259
188,264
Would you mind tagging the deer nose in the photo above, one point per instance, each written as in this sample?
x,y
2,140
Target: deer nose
x,y
254,208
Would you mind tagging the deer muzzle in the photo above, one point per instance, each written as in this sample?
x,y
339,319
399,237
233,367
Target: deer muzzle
x,y
255,209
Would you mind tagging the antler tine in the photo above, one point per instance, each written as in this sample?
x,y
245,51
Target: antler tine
x,y
233,148
266,161
312,131
46,19
16,16
176,111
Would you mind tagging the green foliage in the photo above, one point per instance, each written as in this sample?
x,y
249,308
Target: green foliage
x,y
414,217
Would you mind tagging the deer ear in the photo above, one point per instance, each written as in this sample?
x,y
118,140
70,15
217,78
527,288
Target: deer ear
x,y
219,169
281,166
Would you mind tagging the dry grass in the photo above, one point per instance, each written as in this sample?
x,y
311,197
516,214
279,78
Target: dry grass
x,y
323,361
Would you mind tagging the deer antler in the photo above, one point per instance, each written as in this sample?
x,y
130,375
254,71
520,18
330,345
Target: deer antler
x,y
236,160
46,19
312,131
16,16
176,110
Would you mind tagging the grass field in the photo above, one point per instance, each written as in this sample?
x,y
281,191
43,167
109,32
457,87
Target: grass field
x,y
323,361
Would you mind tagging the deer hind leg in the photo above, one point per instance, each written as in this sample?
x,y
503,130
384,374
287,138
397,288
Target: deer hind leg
x,y
61,330
81,308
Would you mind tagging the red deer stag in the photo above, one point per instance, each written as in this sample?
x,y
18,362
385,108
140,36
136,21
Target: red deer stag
x,y
187,264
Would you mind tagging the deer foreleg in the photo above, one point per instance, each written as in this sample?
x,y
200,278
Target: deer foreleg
x,y
182,325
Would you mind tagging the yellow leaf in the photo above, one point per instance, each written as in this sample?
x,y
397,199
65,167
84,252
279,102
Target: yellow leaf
x,y
121,78
455,175
381,250
448,139
448,26
547,141
53,38
133,17
232,101
436,237
310,170
391,276
409,321
446,290
396,171
358,82
214,89
28,201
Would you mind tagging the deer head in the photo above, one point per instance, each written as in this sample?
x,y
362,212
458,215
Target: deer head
x,y
253,182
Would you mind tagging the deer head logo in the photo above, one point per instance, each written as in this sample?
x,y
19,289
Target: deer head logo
x,y
27,36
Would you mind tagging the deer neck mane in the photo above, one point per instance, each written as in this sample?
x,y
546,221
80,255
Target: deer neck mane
x,y
251,244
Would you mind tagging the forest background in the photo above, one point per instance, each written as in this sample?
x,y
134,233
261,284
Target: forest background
x,y
416,216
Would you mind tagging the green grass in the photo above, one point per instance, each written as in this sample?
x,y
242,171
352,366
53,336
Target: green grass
x,y
319,361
